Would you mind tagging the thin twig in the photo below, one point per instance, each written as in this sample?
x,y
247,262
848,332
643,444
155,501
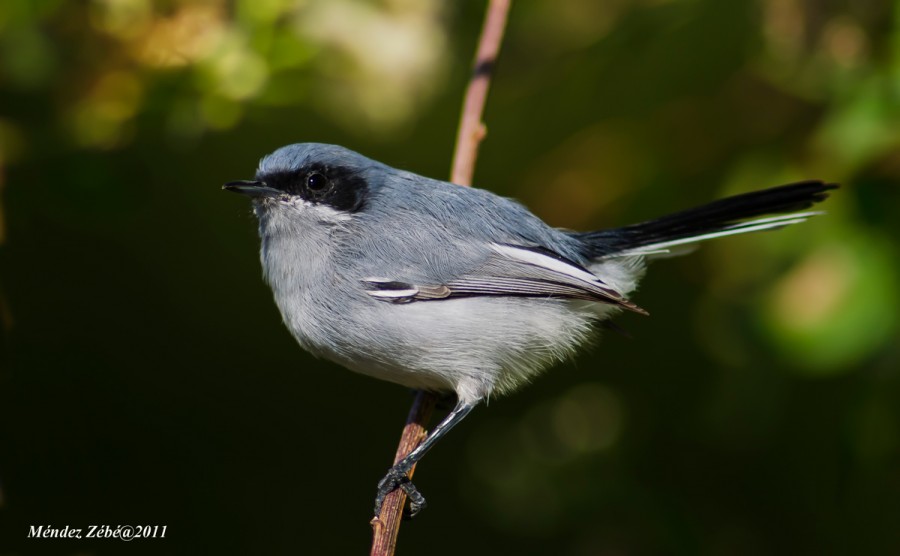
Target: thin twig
x,y
471,129
386,525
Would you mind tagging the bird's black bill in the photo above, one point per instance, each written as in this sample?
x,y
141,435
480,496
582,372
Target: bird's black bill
x,y
251,188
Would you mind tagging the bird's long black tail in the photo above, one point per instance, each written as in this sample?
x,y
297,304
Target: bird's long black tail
x,y
724,217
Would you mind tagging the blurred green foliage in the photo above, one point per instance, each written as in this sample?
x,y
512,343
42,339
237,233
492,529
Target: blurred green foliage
x,y
145,375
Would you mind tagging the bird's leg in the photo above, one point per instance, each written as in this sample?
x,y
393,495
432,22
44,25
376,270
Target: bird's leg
x,y
398,475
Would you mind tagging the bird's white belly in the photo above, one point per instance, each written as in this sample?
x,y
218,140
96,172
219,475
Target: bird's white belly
x,y
474,346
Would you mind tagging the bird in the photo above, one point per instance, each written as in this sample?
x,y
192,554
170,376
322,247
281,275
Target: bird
x,y
452,289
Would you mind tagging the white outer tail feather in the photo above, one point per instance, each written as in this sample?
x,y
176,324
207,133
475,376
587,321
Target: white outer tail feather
x,y
770,223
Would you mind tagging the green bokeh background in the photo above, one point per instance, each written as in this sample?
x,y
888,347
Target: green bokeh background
x,y
146,378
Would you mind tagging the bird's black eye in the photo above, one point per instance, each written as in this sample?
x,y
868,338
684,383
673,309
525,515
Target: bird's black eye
x,y
316,182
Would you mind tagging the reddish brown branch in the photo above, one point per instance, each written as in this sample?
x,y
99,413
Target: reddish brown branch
x,y
471,128
386,525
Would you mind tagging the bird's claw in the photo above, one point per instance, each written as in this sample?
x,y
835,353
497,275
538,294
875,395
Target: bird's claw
x,y
398,477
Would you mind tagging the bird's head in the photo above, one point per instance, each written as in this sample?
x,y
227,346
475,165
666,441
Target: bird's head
x,y
310,182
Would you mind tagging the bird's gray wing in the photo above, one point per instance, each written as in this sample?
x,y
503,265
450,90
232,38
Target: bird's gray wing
x,y
511,271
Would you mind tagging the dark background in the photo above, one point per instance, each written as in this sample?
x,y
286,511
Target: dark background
x,y
146,378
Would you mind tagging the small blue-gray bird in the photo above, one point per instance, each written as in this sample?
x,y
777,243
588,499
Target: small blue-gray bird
x,y
454,289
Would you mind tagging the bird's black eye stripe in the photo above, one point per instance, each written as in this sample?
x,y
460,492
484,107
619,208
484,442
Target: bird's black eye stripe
x,y
339,187
317,182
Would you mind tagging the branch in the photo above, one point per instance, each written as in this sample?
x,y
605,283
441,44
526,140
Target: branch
x,y
471,129
386,526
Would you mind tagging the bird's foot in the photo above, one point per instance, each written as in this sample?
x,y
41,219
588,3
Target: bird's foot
x,y
398,477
